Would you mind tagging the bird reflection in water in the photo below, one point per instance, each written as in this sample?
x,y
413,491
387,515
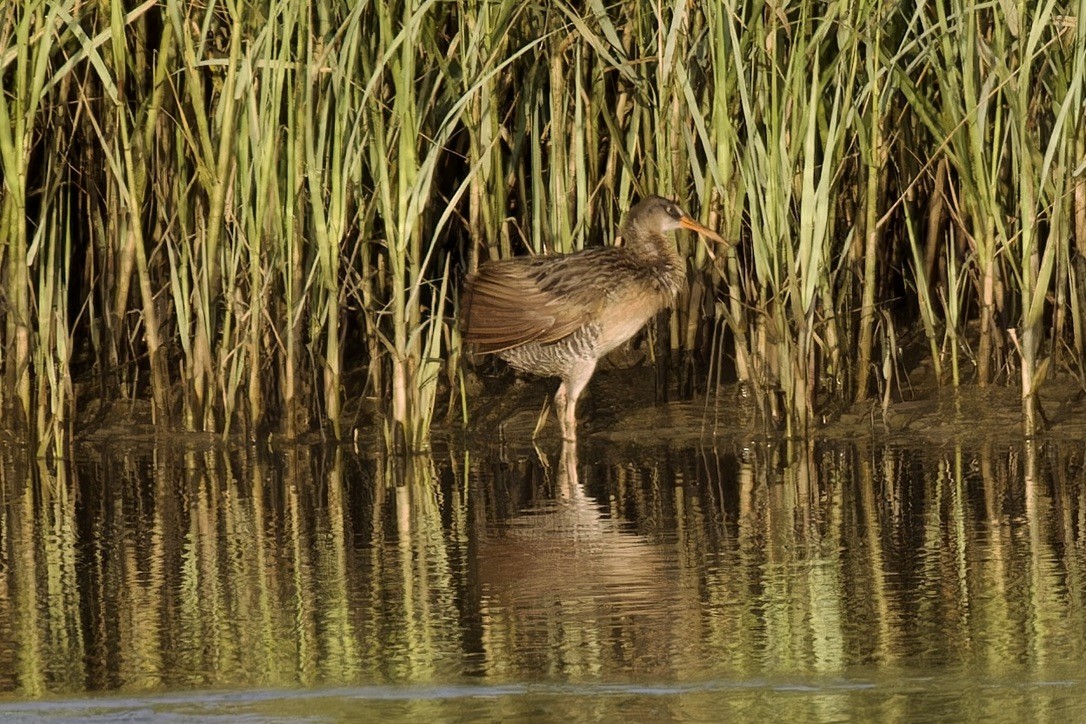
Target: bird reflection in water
x,y
568,561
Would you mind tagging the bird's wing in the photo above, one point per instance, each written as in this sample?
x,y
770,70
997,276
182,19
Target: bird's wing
x,y
516,301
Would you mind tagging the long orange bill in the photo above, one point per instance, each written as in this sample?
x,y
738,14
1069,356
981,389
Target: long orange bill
x,y
687,223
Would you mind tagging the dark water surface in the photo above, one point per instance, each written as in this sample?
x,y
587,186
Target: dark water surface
x,y
824,581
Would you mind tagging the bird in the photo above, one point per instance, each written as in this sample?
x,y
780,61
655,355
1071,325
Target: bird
x,y
556,315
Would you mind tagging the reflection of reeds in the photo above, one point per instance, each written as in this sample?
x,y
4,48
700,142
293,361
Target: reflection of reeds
x,y
220,207
420,571
204,569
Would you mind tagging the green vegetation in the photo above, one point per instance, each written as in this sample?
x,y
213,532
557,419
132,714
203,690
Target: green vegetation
x,y
226,207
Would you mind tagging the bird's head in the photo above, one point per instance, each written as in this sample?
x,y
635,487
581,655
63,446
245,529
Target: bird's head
x,y
655,216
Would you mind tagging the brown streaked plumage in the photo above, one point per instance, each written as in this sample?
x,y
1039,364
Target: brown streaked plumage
x,y
557,315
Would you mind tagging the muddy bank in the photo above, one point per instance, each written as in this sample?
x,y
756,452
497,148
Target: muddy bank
x,y
630,405
625,406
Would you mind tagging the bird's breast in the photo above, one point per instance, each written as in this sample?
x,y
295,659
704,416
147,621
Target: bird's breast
x,y
625,317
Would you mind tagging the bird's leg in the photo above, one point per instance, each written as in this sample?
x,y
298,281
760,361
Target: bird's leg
x,y
569,421
571,390
561,401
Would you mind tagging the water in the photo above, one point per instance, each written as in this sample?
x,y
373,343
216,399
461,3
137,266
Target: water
x,y
828,581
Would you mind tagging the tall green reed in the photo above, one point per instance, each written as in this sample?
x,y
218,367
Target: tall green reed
x,y
27,44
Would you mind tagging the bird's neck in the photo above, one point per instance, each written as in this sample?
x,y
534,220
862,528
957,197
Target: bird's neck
x,y
656,254
648,246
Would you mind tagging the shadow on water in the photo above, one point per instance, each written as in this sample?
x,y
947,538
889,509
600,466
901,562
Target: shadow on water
x,y
821,580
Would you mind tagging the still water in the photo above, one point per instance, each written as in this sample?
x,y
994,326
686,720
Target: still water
x,y
807,581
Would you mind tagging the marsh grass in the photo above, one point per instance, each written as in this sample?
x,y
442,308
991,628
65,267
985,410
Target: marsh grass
x,y
228,208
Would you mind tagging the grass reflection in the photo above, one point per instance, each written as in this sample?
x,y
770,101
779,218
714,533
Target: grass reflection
x,y
169,570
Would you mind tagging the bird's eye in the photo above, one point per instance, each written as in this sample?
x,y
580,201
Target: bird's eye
x,y
674,212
